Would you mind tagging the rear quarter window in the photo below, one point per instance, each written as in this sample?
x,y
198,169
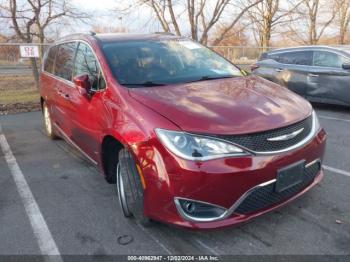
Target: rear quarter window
x,y
329,59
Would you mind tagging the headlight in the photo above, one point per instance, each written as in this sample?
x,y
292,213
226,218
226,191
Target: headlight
x,y
315,120
193,147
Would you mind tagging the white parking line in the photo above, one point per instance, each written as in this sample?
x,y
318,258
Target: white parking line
x,y
336,170
334,118
41,231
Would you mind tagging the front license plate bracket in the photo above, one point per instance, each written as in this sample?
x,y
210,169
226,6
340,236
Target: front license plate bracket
x,y
290,176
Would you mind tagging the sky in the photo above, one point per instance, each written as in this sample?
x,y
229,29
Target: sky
x,y
95,5
105,15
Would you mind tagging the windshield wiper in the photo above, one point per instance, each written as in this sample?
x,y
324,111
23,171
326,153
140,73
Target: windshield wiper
x,y
205,78
146,84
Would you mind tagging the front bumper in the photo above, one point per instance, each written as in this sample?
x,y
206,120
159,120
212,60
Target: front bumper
x,y
221,182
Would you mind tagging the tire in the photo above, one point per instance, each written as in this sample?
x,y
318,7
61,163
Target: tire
x,y
48,123
130,190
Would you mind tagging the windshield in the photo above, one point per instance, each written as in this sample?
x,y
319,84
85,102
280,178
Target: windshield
x,y
155,63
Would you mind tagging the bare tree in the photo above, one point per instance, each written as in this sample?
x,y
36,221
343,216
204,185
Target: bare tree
x,y
315,16
30,19
227,28
342,8
199,17
267,15
237,36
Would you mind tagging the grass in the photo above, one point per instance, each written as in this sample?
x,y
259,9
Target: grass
x,y
19,96
13,63
18,89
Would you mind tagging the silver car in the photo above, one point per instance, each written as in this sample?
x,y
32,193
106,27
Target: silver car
x,y
318,73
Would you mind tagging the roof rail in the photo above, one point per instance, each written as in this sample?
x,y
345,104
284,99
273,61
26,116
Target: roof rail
x,y
90,33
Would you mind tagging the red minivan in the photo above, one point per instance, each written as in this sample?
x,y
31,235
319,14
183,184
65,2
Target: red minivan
x,y
188,138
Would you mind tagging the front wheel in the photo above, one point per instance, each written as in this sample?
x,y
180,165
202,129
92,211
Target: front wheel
x,y
129,187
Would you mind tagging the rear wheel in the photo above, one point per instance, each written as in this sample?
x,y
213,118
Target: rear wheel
x,y
130,190
48,122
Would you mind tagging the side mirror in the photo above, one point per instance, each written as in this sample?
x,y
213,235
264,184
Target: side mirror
x,y
346,66
83,83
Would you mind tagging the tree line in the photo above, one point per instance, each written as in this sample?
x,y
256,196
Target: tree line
x,y
207,21
214,21
211,22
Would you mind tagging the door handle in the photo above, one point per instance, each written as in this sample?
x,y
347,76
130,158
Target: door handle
x,y
313,75
278,69
66,96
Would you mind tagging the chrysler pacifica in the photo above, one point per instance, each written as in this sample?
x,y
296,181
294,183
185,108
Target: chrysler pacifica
x,y
187,137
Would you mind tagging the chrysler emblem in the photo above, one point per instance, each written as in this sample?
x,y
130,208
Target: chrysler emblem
x,y
287,136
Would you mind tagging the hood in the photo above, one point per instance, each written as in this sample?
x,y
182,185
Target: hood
x,y
225,106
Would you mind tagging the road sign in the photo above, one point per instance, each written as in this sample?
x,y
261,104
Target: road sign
x,y
29,51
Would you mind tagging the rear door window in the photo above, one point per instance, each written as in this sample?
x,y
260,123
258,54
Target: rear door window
x,y
294,58
64,60
273,57
329,59
50,59
86,63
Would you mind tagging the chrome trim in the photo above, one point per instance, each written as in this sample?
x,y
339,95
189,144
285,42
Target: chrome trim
x,y
74,144
65,80
313,162
249,152
245,195
310,49
226,214
287,136
232,209
297,145
202,202
196,219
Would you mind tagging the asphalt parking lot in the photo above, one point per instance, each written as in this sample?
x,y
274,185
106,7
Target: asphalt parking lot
x,y
82,214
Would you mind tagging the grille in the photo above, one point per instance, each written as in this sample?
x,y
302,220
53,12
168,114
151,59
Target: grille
x,y
258,141
266,196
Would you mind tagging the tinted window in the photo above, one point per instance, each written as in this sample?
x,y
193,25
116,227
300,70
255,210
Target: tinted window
x,y
294,58
86,63
64,60
135,63
263,56
50,59
328,59
274,57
